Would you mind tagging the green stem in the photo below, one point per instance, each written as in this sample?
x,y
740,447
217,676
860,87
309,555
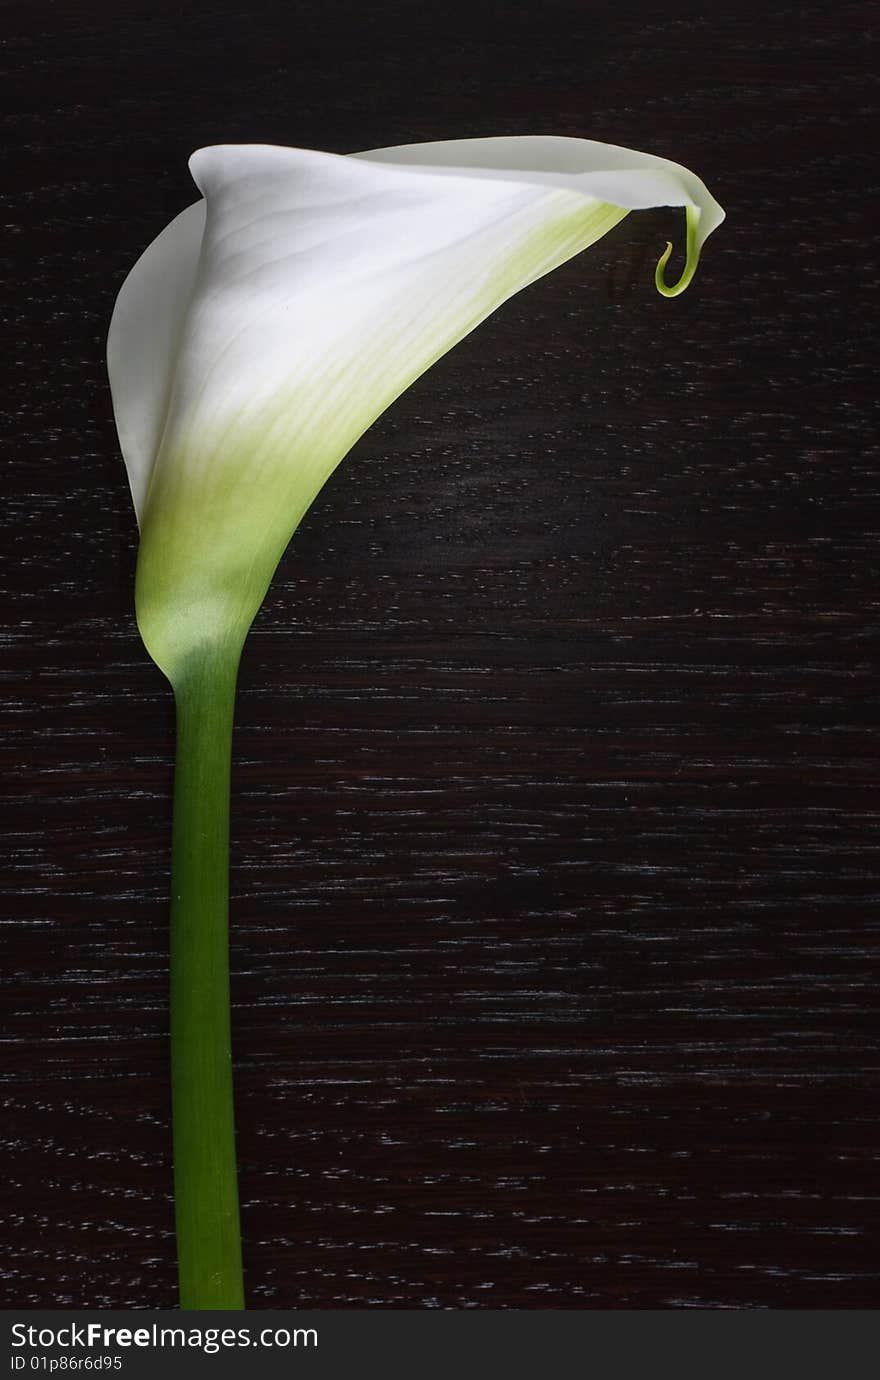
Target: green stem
x,y
205,1179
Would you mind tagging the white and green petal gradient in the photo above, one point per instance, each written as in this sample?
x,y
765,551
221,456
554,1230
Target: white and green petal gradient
x,y
271,323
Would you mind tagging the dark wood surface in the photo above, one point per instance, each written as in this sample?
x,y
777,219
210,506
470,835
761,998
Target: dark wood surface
x,y
555,810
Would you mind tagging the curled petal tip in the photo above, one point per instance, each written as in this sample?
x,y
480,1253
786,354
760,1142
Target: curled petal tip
x,y
693,257
659,278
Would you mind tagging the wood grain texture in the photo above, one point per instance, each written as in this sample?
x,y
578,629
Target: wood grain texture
x,y
555,812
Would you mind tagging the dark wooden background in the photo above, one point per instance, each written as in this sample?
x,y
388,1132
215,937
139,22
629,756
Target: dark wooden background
x,y
555,811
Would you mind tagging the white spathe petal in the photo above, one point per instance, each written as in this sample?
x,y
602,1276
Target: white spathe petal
x,y
296,222
143,341
251,348
309,259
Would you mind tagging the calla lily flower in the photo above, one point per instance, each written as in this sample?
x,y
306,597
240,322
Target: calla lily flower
x,y
251,345
270,324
